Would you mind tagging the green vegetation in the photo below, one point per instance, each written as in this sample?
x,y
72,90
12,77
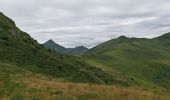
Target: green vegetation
x,y
139,69
139,61
20,84
18,48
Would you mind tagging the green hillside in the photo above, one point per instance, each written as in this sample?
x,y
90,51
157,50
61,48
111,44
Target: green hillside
x,y
17,48
138,60
16,83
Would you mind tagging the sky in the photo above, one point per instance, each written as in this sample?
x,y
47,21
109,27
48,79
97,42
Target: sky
x,y
88,23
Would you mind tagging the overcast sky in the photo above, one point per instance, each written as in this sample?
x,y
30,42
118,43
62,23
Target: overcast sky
x,y
88,22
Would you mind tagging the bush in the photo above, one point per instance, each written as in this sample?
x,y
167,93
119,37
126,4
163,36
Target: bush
x,y
5,38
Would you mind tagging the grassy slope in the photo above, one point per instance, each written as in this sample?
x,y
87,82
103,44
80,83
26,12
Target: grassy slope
x,y
28,71
139,61
20,84
18,48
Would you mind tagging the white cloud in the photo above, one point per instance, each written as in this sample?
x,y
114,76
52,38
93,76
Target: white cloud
x,y
88,22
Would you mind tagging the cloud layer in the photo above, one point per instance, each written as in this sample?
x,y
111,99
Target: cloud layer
x,y
88,22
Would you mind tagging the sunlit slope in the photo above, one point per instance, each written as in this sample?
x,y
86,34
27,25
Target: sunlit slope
x,y
141,61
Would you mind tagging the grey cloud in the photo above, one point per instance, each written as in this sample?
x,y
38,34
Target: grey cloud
x,y
88,22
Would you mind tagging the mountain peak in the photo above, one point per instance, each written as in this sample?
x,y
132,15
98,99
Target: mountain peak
x,y
53,45
50,41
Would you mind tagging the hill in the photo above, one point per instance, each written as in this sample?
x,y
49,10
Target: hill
x,y
16,83
50,44
28,71
139,60
18,49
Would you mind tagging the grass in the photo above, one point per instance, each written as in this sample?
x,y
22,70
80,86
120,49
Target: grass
x,y
20,84
138,61
139,69
18,48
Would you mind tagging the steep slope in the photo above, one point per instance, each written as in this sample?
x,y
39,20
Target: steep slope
x,y
74,51
18,49
141,61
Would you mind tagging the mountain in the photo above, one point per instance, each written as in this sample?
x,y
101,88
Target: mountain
x,y
28,71
18,49
77,50
50,44
142,61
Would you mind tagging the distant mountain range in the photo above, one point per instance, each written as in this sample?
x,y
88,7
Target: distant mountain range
x,y
58,48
